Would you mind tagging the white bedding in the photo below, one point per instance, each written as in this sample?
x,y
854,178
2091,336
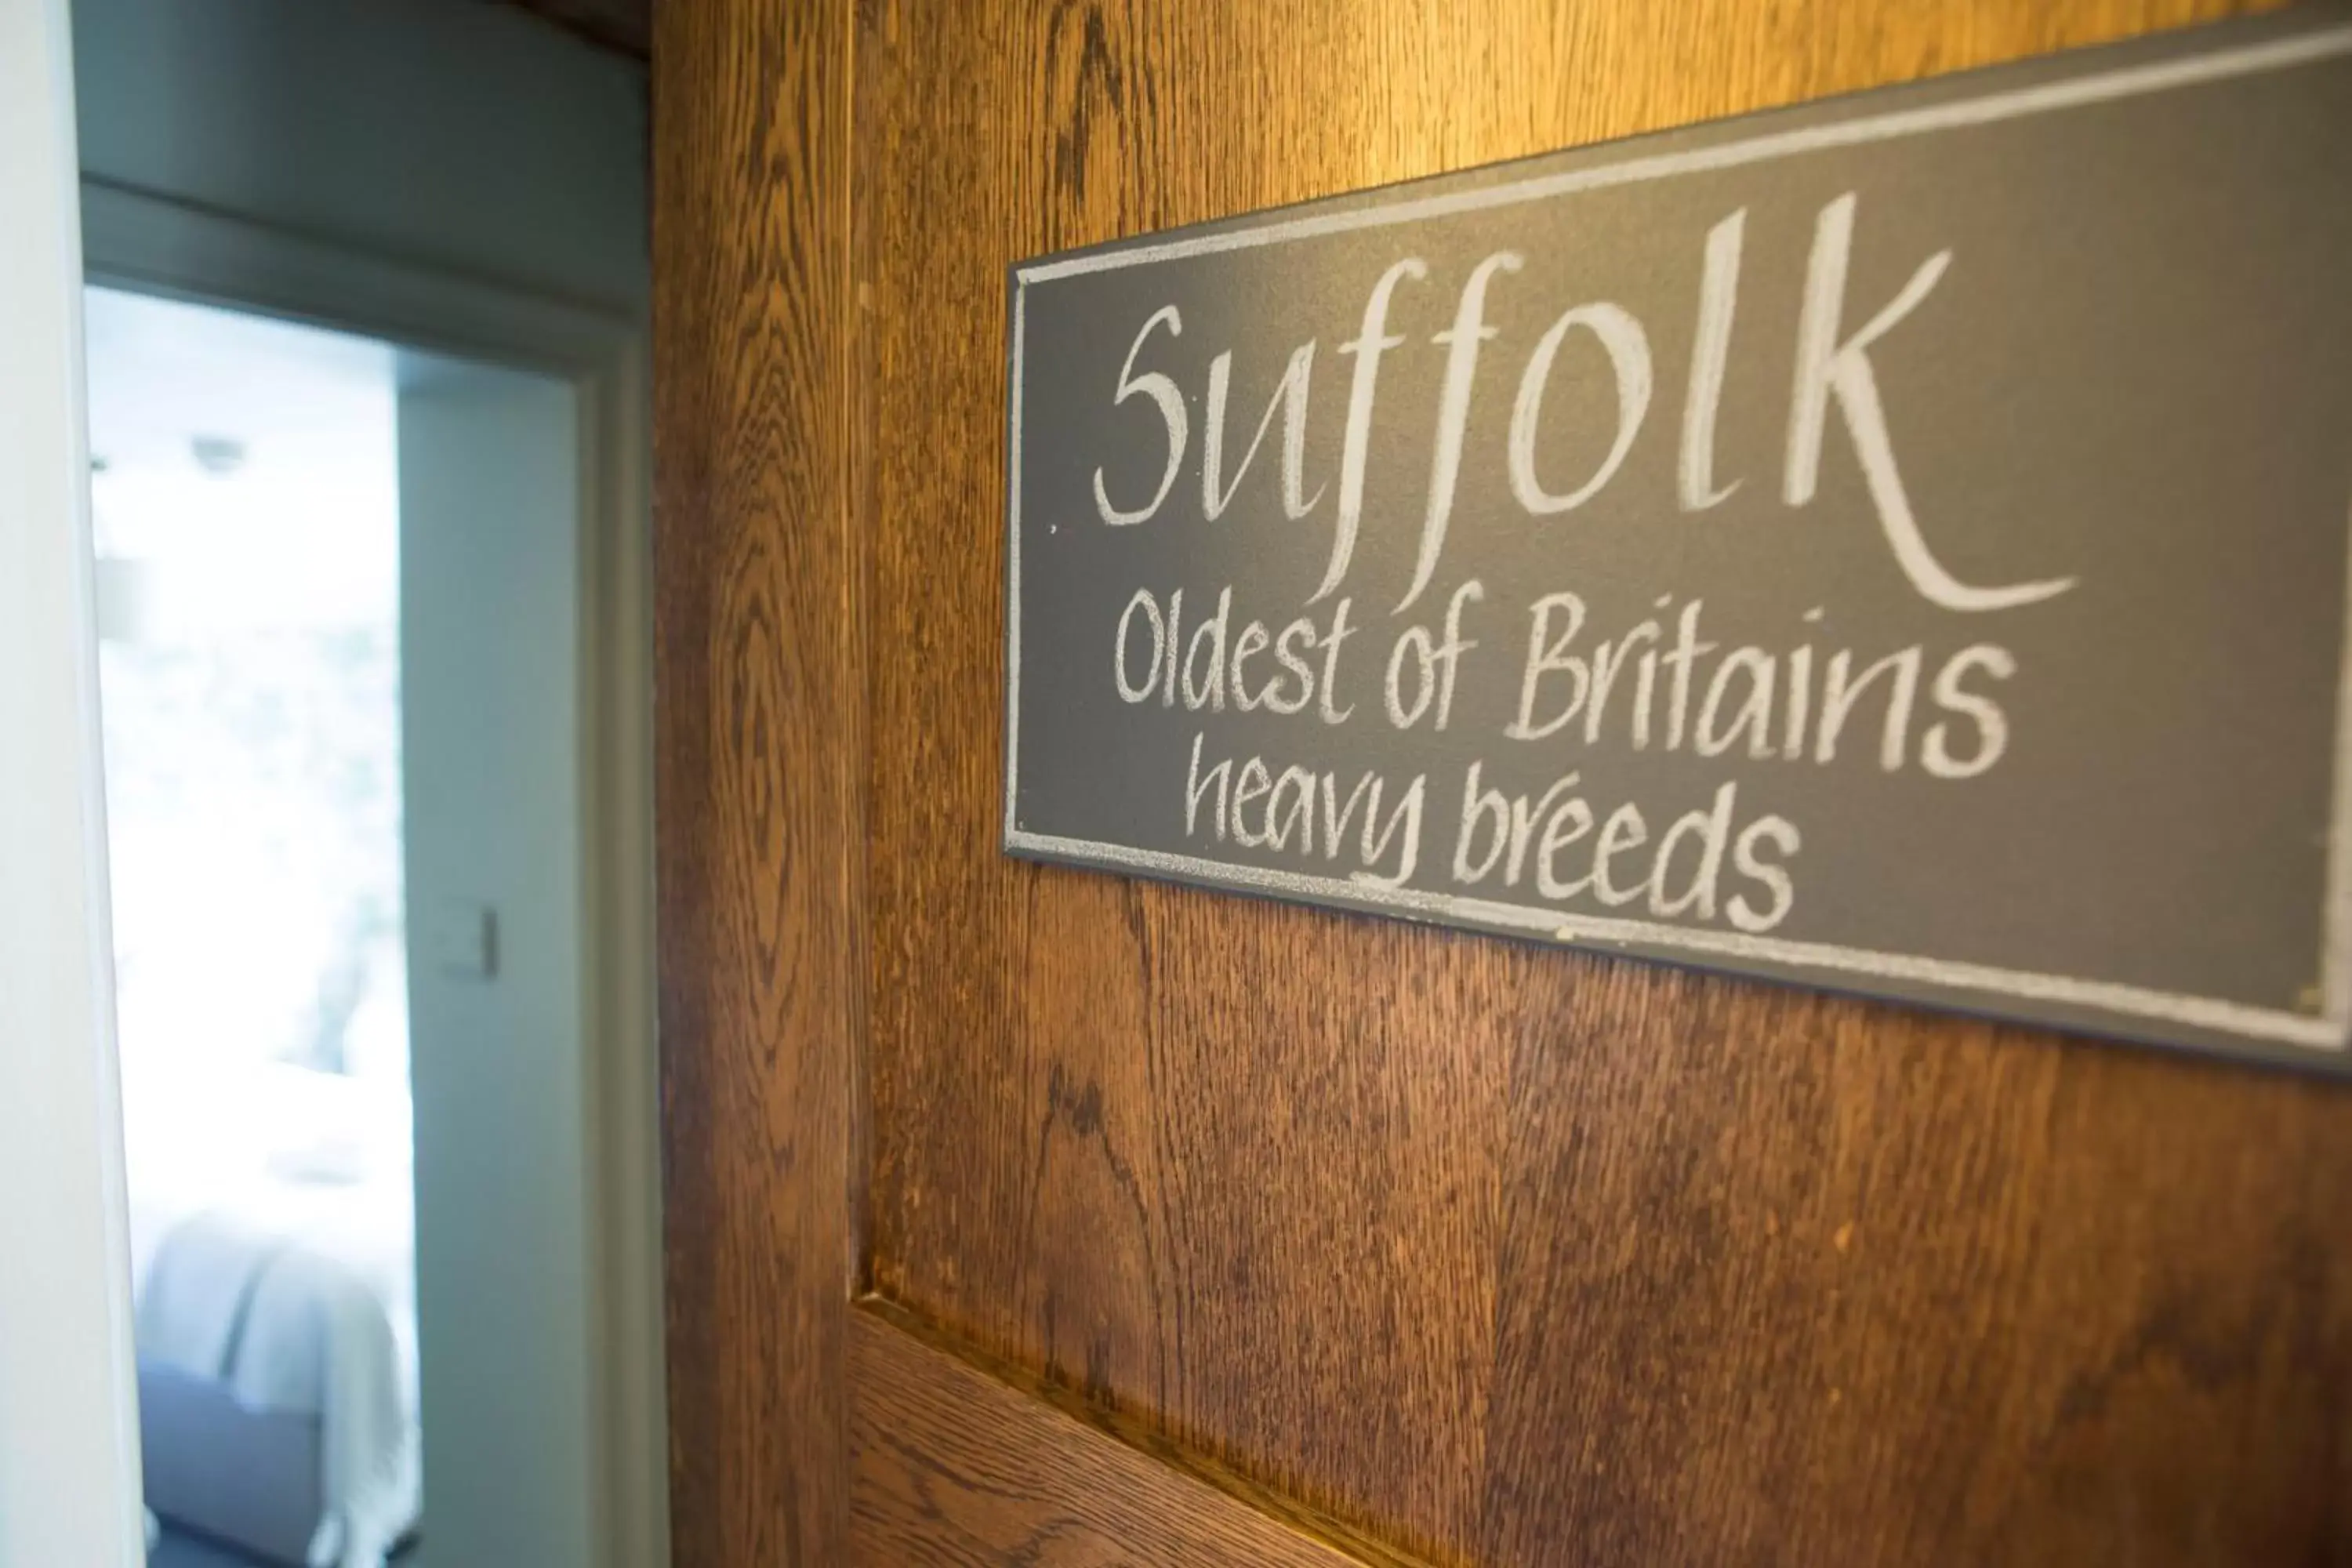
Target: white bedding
x,y
287,1271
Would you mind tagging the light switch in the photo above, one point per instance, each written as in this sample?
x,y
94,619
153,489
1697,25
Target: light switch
x,y
461,939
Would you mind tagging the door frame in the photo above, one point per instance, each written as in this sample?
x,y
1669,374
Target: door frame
x,y
70,1477
150,244
760,587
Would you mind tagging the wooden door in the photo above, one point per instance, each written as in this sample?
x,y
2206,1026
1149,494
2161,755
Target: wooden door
x,y
1021,1215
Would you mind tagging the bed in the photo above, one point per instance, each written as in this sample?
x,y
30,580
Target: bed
x,y
276,1330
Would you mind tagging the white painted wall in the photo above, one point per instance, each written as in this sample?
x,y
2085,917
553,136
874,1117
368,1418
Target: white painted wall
x,y
69,1445
490,638
449,131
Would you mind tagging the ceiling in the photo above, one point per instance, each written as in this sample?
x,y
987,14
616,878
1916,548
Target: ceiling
x,y
625,26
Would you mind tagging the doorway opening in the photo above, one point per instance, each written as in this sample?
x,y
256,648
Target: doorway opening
x,y
245,510
339,602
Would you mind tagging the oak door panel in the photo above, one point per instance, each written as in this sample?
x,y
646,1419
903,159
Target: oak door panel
x,y
1486,1248
958,1464
759,767
1469,1252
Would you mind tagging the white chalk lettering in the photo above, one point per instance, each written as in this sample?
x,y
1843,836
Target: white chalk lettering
x,y
1755,712
1707,685
1403,827
1370,342
1296,665
1300,817
1290,396
1993,725
1781,835
1460,342
1196,786
1164,392
1436,666
1719,298
1253,782
1127,690
1328,696
1624,830
1209,689
1252,642
1828,368
1839,694
1546,654
1629,356
1710,830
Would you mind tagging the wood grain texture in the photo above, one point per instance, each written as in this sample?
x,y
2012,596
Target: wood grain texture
x,y
960,1459
1503,1254
760,770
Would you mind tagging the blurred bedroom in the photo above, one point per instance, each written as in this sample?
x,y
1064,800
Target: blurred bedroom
x,y
246,513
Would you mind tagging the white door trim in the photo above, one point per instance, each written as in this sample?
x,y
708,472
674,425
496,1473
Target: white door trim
x,y
68,1424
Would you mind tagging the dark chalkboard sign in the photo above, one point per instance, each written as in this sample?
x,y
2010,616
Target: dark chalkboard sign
x,y
1899,544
